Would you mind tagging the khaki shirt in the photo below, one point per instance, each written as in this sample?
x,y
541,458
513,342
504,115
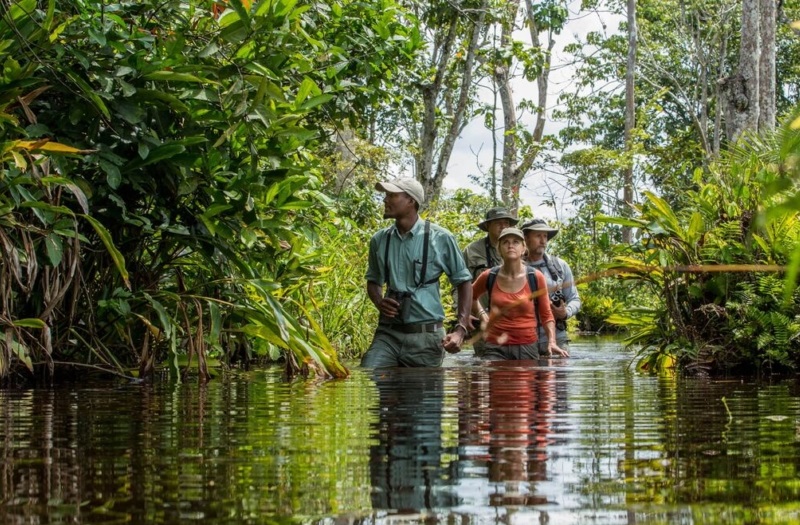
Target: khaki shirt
x,y
475,257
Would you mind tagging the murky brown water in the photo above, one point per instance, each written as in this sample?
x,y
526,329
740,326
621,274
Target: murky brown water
x,y
583,440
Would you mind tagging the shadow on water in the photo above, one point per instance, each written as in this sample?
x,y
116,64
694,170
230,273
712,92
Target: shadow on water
x,y
579,440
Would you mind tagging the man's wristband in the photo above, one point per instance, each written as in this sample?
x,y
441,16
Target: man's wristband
x,y
460,325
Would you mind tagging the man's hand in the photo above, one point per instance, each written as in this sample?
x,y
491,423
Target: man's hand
x,y
452,341
388,307
560,311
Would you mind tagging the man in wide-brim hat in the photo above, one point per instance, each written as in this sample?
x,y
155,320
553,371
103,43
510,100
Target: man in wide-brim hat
x,y
539,225
482,253
564,299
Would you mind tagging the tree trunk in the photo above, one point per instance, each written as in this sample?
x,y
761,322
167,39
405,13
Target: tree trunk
x,y
741,90
508,193
718,95
431,93
516,164
766,74
439,107
630,118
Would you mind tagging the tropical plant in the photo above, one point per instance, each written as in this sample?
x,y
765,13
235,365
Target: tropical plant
x,y
707,263
196,176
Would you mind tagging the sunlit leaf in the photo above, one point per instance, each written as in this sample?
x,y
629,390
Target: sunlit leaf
x,y
116,256
172,76
29,323
163,318
23,354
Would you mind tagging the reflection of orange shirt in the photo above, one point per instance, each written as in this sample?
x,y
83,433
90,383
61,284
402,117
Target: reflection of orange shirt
x,y
517,319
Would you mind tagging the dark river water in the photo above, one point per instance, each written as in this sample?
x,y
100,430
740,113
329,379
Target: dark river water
x,y
580,440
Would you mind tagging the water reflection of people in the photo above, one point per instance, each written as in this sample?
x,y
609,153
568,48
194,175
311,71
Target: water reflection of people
x,y
407,463
507,429
521,406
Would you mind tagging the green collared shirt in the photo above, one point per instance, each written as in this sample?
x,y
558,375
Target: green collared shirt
x,y
405,265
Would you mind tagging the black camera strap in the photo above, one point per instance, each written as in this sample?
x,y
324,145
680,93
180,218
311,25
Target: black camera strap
x,y
425,240
490,261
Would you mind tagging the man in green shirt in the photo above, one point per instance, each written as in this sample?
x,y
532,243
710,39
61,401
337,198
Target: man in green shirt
x,y
409,257
482,254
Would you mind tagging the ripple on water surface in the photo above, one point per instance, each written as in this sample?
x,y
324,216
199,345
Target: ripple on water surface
x,y
579,440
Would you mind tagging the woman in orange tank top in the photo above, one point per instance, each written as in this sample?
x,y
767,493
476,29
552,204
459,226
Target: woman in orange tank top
x,y
510,329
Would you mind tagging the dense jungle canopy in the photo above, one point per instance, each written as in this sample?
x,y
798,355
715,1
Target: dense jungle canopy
x,y
189,184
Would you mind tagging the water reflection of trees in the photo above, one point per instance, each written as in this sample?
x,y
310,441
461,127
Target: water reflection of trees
x,y
224,452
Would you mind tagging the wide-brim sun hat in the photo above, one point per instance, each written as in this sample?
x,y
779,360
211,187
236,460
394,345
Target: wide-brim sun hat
x,y
516,232
539,225
495,214
403,184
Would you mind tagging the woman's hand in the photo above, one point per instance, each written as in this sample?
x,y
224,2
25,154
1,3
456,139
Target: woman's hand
x,y
554,349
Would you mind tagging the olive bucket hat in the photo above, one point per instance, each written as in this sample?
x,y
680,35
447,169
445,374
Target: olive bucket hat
x,y
497,213
539,225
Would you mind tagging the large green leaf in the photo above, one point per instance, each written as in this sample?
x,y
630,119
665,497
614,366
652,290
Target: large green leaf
x,y
116,255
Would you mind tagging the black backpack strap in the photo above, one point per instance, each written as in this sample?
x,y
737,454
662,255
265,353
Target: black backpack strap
x,y
534,285
386,258
490,279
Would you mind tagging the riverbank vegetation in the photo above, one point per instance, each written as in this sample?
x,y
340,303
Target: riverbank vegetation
x,y
186,183
160,192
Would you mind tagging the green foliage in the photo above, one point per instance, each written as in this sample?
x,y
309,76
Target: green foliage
x,y
339,297
596,308
586,244
761,324
180,218
710,263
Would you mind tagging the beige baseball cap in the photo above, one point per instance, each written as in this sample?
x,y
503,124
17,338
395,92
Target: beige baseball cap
x,y
409,185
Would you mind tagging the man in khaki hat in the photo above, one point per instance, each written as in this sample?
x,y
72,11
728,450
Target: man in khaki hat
x,y
564,299
409,257
482,253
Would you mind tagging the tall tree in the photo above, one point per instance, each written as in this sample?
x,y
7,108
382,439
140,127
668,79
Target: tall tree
x,y
522,147
750,98
630,115
443,86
